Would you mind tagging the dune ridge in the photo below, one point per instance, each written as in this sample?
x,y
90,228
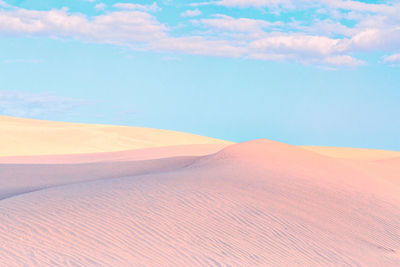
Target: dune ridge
x,y
258,203
353,153
23,137
128,155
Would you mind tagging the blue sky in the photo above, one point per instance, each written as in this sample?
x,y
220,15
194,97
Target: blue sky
x,y
303,72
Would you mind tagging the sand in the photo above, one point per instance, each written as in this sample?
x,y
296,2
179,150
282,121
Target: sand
x,y
353,153
258,203
22,137
128,155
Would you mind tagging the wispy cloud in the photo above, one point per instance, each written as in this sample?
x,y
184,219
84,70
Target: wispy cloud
x,y
129,6
121,27
27,104
191,13
321,38
253,3
395,58
100,6
4,4
136,29
292,4
227,23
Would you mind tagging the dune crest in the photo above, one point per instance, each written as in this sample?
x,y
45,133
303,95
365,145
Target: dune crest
x,y
353,153
23,137
128,155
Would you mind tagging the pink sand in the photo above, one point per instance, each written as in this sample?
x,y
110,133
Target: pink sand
x,y
259,203
128,155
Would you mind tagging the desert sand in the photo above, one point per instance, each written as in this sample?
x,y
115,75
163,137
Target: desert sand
x,y
353,153
126,155
22,137
257,203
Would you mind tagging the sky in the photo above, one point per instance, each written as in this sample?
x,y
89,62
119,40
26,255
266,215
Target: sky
x,y
303,72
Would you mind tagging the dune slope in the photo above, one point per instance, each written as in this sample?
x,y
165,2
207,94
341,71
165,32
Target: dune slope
x,y
22,137
353,153
127,155
259,203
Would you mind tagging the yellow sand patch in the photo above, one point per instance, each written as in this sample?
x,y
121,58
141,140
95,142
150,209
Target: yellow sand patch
x,y
20,136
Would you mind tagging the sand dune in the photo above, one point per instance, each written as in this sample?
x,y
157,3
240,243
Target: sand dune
x,y
353,153
128,155
259,203
22,137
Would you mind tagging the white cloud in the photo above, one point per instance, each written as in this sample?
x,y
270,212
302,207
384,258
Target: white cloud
x,y
100,6
304,44
395,58
336,4
254,3
359,6
135,29
338,60
199,45
122,27
326,27
129,6
318,39
377,39
27,104
191,13
4,4
343,60
223,22
270,56
304,49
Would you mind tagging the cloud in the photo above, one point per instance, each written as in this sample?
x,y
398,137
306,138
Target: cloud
x,y
304,44
395,58
191,13
5,5
254,3
343,60
292,4
321,37
199,45
305,49
135,29
227,23
359,6
100,6
326,27
122,27
386,39
26,104
129,6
